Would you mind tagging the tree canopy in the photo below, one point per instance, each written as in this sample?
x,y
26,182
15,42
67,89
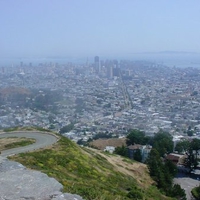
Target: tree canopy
x,y
192,160
66,128
137,155
196,192
122,151
182,146
163,173
163,143
136,137
195,144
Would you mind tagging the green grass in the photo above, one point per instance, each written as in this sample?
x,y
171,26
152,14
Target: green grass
x,y
10,129
196,192
84,172
127,160
22,143
26,129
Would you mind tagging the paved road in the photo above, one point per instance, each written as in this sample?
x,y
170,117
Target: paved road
x,y
42,140
187,184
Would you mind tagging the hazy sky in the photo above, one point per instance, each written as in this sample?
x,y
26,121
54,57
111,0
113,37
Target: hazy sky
x,y
97,27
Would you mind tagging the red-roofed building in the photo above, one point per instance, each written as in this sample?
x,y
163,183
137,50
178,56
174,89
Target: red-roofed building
x,y
177,159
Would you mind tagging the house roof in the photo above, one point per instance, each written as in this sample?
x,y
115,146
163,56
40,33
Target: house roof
x,y
135,146
172,157
176,158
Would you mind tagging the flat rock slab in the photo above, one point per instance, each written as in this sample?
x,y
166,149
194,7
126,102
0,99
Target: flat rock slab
x,y
19,183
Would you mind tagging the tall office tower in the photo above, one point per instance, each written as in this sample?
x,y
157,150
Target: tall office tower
x,y
109,66
111,71
96,59
116,69
116,64
97,65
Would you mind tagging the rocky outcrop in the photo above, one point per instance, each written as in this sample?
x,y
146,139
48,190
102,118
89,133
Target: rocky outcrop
x,y
20,183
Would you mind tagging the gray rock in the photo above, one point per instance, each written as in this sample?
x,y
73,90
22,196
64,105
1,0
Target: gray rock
x,y
19,183
67,196
7,165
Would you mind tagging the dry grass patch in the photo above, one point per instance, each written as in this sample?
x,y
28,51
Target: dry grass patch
x,y
102,143
12,142
138,171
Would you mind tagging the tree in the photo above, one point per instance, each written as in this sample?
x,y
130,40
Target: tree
x,y
163,143
161,172
171,167
196,192
195,145
135,137
156,168
102,135
190,131
178,192
153,162
182,146
51,126
190,161
81,142
122,151
137,155
66,128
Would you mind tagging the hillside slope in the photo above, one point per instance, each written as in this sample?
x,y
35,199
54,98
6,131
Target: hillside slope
x,y
91,173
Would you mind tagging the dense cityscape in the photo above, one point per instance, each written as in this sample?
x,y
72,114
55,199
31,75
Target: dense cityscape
x,y
104,96
100,100
140,105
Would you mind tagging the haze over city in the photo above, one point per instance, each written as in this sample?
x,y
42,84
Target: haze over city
x,y
80,78
113,29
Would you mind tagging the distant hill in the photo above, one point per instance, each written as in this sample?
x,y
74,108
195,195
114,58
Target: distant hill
x,y
14,94
30,98
14,90
92,174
